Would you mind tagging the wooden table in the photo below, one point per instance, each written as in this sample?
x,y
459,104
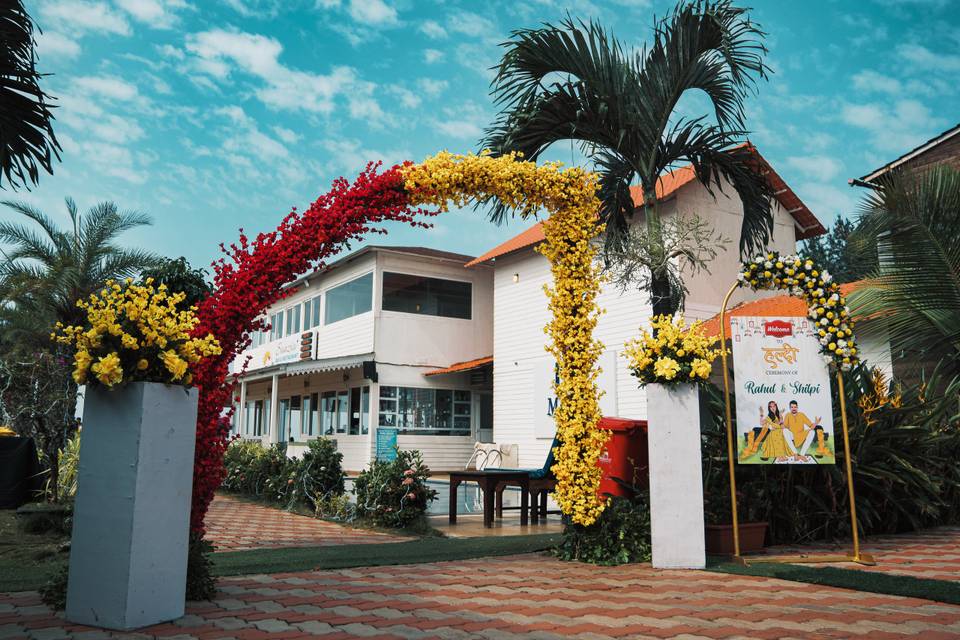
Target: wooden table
x,y
488,481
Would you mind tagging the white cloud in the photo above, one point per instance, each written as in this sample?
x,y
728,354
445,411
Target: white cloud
x,y
169,51
349,156
110,87
432,29
469,24
460,129
896,127
373,12
85,15
818,167
407,98
56,45
827,200
160,14
288,136
871,81
432,55
217,50
923,58
244,142
431,86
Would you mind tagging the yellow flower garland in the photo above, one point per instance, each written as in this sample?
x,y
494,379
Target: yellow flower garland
x,y
675,353
569,195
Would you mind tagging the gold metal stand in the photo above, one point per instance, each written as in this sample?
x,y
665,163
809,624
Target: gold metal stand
x,y
856,556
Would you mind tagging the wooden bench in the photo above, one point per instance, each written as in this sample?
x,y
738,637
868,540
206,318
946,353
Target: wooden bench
x,y
489,480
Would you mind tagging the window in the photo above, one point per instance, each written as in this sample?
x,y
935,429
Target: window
x,y
311,418
256,416
349,299
294,421
359,410
311,313
283,419
276,326
426,411
427,296
293,320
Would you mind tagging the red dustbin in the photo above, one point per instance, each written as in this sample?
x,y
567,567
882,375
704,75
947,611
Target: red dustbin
x,y
625,456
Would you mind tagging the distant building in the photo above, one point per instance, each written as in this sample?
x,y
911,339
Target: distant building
x,y
941,149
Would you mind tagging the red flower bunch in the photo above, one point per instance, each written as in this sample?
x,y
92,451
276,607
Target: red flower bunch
x,y
250,278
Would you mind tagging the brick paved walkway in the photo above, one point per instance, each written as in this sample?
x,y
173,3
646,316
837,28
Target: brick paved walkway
x,y
934,553
529,597
234,524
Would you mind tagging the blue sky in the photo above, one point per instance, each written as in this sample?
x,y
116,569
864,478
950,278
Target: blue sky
x,y
212,115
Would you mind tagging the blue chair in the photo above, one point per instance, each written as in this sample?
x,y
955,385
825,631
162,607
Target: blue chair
x,y
541,483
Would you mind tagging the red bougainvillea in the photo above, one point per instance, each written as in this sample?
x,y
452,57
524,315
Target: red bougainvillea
x,y
251,278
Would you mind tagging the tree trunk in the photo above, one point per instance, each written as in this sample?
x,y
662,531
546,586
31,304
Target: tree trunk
x,y
661,295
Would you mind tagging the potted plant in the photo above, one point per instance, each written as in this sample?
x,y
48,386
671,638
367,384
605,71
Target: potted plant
x,y
128,556
671,361
719,527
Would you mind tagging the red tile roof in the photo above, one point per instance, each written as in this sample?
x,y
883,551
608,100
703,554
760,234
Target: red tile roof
x,y
783,305
459,367
667,185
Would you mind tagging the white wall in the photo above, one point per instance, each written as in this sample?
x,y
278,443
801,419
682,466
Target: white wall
x,y
520,313
431,340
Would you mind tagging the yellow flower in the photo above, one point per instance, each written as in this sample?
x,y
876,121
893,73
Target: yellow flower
x,y
700,368
82,362
176,365
666,368
108,370
142,364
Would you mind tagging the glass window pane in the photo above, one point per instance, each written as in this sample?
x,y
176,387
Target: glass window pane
x,y
365,410
349,299
343,409
307,316
328,416
444,409
315,312
428,296
355,411
315,414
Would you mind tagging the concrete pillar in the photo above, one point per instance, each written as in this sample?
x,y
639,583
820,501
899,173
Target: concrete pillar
x,y
128,555
676,477
274,433
242,417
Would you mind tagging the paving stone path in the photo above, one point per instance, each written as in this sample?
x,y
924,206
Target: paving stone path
x,y
234,525
530,597
933,553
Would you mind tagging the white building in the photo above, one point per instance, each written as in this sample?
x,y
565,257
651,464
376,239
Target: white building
x,y
522,370
457,345
349,348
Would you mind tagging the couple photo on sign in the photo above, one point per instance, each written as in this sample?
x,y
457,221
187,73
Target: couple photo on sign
x,y
786,438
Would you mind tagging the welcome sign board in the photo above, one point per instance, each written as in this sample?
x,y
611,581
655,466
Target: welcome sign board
x,y
784,408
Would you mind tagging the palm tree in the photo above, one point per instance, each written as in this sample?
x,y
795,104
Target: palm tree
x,y
914,220
577,82
27,141
46,272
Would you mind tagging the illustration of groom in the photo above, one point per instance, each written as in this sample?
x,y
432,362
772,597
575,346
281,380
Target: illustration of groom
x,y
803,431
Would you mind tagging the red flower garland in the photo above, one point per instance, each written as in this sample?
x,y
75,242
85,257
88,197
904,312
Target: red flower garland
x,y
251,278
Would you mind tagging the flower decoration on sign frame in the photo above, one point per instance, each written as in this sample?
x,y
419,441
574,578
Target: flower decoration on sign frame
x,y
826,304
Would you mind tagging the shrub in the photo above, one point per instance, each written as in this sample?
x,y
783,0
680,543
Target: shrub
x,y
201,585
620,535
394,494
904,442
254,470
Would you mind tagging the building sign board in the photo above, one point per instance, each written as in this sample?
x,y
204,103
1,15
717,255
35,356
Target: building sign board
x,y
387,443
784,407
282,351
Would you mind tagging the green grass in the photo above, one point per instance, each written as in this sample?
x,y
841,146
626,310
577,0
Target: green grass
x,y
375,555
858,580
27,560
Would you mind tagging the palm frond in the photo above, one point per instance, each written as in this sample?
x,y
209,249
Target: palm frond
x,y
27,140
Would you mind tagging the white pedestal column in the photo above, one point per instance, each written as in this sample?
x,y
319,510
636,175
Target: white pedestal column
x,y
128,555
676,478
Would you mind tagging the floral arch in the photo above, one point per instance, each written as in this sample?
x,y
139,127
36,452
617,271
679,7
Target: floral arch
x,y
253,272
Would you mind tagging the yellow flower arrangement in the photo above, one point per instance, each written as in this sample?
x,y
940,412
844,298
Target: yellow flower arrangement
x,y
569,195
135,333
673,353
826,305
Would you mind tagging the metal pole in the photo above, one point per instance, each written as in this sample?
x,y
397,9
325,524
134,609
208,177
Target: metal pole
x,y
729,419
849,465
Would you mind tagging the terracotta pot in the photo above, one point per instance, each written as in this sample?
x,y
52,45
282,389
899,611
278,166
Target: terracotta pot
x,y
720,538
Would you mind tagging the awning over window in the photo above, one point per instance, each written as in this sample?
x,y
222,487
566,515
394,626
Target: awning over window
x,y
460,367
306,367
